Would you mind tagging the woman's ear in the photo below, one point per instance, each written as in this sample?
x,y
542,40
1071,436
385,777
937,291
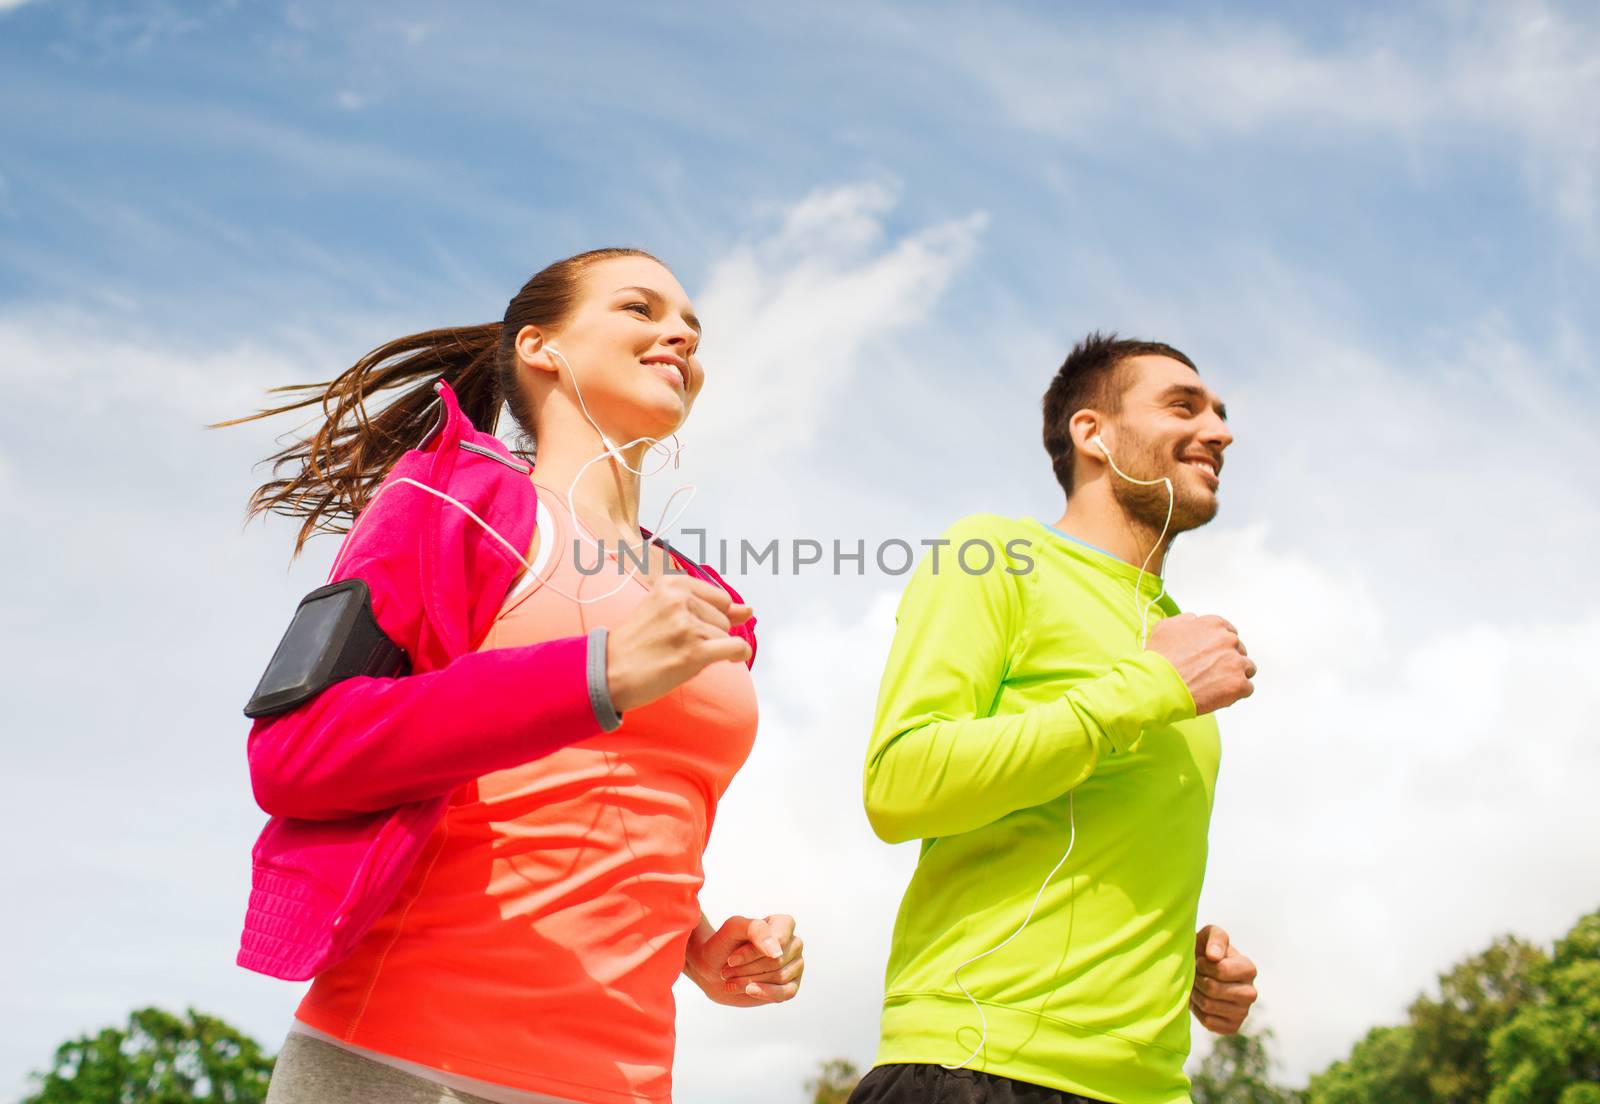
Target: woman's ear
x,y
532,350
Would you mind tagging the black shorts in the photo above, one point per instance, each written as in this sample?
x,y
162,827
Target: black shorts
x,y
919,1084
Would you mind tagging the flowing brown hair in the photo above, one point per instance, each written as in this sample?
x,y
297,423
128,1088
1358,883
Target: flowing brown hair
x,y
328,477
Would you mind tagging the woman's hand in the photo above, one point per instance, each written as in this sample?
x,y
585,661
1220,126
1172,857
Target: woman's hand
x,y
746,962
679,630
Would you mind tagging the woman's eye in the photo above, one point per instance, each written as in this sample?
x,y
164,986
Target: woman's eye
x,y
641,308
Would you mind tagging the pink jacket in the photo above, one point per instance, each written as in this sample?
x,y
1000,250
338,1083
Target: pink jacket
x,y
357,778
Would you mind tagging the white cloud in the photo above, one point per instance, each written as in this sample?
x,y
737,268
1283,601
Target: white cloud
x,y
1490,77
11,5
794,309
69,355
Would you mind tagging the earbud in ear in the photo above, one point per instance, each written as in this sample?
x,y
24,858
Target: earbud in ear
x,y
1101,445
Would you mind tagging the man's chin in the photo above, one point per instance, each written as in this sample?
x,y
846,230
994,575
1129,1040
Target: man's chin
x,y
1194,511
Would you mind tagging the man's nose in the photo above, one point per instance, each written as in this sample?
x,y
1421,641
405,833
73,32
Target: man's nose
x,y
1215,433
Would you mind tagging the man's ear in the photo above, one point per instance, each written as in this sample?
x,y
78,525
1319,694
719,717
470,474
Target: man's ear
x,y
1083,427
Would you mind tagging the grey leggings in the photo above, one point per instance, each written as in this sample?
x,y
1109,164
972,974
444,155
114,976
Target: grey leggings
x,y
310,1071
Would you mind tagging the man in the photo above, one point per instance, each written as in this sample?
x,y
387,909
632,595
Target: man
x,y
1045,728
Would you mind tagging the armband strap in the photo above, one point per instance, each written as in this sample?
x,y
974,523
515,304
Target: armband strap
x,y
334,636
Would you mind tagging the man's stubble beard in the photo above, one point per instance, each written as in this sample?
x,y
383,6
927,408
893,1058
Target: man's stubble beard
x,y
1146,506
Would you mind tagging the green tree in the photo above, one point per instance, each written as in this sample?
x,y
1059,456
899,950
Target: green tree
x,y
1450,1036
1550,1050
1238,1071
1382,1069
834,1082
1510,1026
158,1058
1441,1056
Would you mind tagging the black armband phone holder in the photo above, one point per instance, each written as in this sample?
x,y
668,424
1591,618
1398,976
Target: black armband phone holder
x,y
334,636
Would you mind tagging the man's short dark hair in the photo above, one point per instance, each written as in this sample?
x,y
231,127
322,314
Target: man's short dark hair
x,y
1089,378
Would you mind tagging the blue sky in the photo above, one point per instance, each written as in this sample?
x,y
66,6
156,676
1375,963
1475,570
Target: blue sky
x,y
1378,233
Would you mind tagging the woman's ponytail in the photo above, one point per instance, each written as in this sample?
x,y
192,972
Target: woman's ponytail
x,y
327,478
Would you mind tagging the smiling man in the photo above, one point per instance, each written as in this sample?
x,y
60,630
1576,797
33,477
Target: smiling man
x,y
1046,729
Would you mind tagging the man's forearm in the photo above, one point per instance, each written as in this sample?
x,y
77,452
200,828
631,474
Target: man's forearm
x,y
947,776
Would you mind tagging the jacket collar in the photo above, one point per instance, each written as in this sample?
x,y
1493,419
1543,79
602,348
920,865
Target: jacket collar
x,y
454,427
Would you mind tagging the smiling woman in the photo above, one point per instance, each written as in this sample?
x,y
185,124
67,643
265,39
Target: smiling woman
x,y
491,864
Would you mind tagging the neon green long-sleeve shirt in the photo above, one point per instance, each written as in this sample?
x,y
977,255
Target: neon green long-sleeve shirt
x,y
1005,692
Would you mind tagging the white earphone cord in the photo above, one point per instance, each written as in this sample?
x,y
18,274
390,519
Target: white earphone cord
x,y
611,450
615,453
1143,614
983,1038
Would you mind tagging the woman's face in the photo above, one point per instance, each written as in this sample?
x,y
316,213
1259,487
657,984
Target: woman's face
x,y
631,345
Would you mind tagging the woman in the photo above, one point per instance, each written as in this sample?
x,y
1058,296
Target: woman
x,y
491,864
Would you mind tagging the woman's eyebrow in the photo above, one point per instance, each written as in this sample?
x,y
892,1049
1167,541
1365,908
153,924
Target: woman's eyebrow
x,y
656,300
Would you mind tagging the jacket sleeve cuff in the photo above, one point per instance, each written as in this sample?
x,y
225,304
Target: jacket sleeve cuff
x,y
1139,692
605,711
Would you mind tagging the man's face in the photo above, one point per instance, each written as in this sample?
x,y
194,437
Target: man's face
x,y
1171,425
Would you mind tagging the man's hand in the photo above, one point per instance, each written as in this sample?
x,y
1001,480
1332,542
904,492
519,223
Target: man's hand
x,y
747,962
1224,982
1209,656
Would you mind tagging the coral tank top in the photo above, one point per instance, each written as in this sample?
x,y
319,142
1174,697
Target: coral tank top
x,y
535,943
